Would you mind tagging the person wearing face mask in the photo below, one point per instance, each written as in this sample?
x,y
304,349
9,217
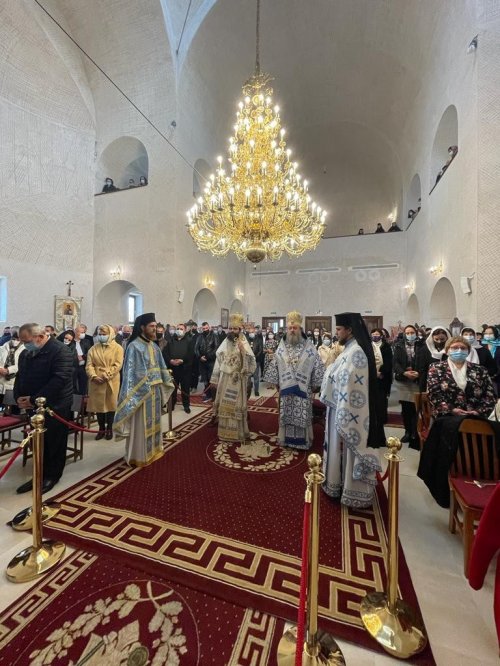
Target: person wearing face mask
x,y
109,186
256,345
45,369
325,349
456,386
104,362
221,335
478,353
69,341
270,346
192,334
178,356
316,338
123,336
406,382
491,341
430,352
205,348
383,361
83,343
9,357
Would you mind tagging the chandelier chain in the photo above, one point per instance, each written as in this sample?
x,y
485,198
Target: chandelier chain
x,y
257,41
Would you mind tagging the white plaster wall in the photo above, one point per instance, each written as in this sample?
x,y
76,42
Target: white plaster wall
x,y
369,291
46,160
143,230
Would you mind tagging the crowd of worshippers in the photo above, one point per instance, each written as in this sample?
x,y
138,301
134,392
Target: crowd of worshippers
x,y
129,374
379,229
109,185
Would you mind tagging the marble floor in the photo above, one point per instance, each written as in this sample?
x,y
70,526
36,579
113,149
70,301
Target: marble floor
x,y
459,620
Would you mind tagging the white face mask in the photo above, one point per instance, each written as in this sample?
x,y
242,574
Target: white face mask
x,y
82,336
67,342
180,332
470,338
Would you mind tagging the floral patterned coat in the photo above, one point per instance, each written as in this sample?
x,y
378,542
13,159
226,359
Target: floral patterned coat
x,y
445,394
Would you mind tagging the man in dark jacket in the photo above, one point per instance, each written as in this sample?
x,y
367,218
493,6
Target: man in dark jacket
x,y
178,355
257,346
205,348
46,370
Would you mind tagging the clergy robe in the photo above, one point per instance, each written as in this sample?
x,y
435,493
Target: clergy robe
x,y
231,372
296,369
146,387
348,464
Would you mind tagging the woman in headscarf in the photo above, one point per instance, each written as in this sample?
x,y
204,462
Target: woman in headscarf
x,y
478,353
430,352
104,362
270,346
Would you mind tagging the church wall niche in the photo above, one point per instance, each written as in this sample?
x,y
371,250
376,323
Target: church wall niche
x,y
123,159
112,303
205,307
413,310
414,200
443,303
446,136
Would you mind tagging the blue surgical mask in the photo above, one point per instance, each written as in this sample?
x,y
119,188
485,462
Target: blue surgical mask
x,y
458,355
251,336
103,338
470,339
30,346
488,337
411,337
327,342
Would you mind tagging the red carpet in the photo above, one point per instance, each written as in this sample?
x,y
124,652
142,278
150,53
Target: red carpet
x,y
93,610
395,420
227,519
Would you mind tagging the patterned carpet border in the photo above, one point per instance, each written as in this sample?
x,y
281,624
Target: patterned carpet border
x,y
92,610
230,569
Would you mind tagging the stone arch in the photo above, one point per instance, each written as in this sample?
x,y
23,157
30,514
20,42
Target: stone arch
x,y
205,307
446,136
236,307
124,158
414,199
413,310
443,303
112,303
201,172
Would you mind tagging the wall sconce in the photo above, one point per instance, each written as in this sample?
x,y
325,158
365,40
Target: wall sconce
x,y
410,287
238,293
209,282
116,273
437,270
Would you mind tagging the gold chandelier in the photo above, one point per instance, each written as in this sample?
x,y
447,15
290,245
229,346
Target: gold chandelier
x,y
259,206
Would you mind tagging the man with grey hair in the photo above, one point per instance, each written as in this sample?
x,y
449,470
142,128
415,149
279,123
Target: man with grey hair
x,y
297,370
45,369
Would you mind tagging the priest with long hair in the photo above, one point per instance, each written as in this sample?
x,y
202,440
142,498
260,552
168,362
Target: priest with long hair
x,y
349,391
144,393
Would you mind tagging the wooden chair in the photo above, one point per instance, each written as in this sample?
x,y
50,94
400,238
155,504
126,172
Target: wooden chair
x,y
8,423
424,416
472,480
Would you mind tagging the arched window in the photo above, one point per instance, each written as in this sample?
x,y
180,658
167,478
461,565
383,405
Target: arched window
x,y
414,200
125,161
445,146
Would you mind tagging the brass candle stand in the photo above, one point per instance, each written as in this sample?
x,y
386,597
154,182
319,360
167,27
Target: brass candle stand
x,y
23,521
319,647
171,435
388,619
43,555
